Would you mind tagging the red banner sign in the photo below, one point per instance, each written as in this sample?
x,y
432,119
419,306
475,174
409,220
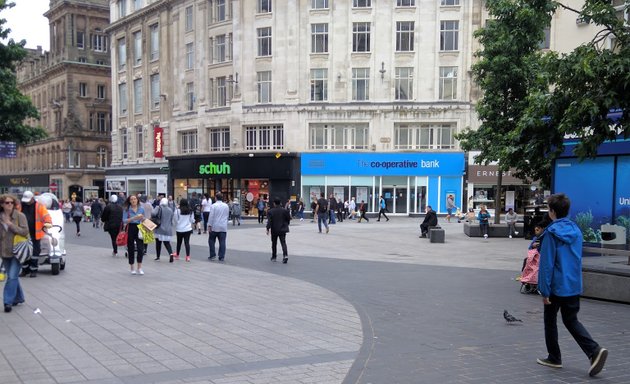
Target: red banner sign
x,y
158,142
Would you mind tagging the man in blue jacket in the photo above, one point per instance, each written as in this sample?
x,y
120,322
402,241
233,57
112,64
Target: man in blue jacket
x,y
560,284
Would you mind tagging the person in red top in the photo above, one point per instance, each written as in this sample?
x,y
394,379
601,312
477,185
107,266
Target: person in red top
x,y
37,217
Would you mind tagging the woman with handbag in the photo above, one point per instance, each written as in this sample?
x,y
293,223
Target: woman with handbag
x,y
112,221
133,215
12,223
164,232
77,214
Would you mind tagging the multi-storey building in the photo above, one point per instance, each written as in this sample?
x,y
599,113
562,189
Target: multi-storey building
x,y
295,98
70,86
254,97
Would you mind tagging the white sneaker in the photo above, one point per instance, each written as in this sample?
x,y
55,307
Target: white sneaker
x,y
516,233
140,272
301,219
510,236
485,236
133,271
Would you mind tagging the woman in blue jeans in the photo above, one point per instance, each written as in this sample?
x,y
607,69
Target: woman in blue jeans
x,y
484,221
12,222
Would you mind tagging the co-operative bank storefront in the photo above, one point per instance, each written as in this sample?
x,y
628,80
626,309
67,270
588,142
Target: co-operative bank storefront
x,y
408,181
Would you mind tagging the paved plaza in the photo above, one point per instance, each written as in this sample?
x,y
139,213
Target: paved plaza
x,y
367,303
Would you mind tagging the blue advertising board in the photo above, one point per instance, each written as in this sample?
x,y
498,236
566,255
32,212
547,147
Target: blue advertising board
x,y
8,149
622,192
384,164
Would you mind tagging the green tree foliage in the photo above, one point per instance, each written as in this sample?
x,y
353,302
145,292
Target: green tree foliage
x,y
584,86
14,106
507,71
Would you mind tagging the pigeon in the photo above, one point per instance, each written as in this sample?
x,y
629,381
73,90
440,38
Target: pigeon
x,y
509,318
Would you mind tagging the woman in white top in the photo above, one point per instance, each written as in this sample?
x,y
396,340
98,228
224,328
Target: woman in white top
x,y
184,219
206,204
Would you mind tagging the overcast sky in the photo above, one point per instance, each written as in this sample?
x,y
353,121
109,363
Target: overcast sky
x,y
27,22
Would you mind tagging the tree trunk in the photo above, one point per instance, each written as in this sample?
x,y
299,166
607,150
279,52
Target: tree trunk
x,y
497,197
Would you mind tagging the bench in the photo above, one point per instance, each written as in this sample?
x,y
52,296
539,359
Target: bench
x,y
494,230
436,235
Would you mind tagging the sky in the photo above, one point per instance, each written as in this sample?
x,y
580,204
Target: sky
x,y
27,22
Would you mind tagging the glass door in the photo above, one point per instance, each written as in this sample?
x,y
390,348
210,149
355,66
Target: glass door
x,y
400,199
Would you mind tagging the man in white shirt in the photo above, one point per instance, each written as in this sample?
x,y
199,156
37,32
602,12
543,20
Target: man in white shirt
x,y
217,226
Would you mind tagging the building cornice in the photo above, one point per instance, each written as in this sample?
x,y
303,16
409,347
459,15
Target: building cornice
x,y
65,66
83,7
137,15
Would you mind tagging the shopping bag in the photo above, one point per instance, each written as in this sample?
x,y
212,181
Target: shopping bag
x,y
147,236
22,248
121,238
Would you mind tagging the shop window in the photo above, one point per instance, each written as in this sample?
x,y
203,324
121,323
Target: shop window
x,y
333,136
264,137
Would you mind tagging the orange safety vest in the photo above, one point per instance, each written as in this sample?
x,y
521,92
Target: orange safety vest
x,y
41,217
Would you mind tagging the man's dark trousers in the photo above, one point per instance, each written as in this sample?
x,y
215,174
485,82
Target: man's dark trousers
x,y
569,308
283,243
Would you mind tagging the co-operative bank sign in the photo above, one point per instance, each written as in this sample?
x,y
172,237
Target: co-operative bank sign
x,y
385,164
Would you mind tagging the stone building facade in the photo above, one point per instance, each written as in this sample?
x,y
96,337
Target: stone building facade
x,y
71,88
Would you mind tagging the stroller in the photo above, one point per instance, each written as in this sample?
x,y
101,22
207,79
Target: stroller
x,y
529,276
52,245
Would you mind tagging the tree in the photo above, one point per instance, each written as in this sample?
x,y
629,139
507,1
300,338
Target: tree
x,y
585,85
508,70
15,107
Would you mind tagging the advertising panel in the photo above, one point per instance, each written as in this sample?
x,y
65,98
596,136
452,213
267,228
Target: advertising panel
x,y
622,195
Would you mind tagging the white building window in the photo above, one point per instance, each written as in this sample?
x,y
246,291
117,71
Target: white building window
x,y
403,89
101,157
122,99
319,4
449,3
448,83
190,55
80,39
263,80
101,92
188,142
155,41
220,49
338,136
360,37
264,41
122,54
546,42
264,137
124,143
220,10
263,6
319,38
219,139
360,84
319,84
139,133
190,96
99,43
155,91
424,136
122,8
137,4
188,24
405,3
137,96
83,89
404,36
102,120
137,48
449,35
221,91
361,3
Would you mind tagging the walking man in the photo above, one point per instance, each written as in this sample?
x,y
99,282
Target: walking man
x,y
278,220
217,226
382,209
322,215
560,284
